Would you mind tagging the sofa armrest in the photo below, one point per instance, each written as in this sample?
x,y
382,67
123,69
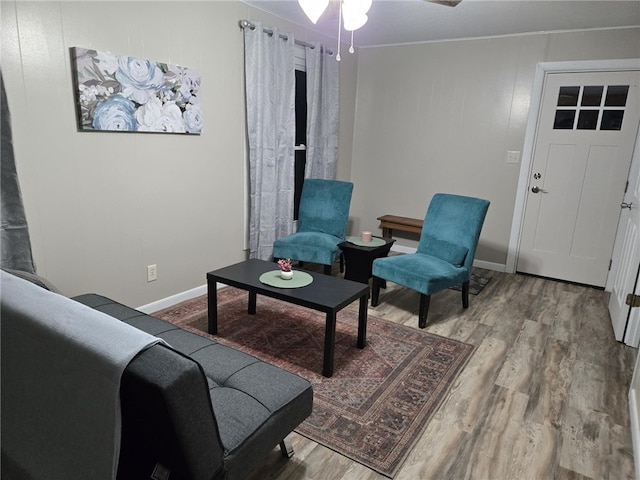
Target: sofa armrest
x,y
167,420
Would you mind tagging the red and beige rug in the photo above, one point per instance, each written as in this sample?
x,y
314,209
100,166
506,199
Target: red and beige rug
x,y
380,398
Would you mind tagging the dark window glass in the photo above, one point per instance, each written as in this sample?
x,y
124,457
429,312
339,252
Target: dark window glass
x,y
616,96
568,96
564,119
588,120
592,96
612,120
301,138
301,107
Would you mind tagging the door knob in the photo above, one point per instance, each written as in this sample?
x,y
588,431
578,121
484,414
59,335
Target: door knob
x,y
537,189
626,205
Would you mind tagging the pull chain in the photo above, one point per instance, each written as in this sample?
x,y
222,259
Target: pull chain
x,y
338,58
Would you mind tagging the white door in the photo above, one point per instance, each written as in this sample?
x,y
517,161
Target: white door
x,y
626,320
584,142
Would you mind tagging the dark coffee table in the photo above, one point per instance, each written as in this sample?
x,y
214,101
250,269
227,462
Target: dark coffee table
x,y
359,258
325,294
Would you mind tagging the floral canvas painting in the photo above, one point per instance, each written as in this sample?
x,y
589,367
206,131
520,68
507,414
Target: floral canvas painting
x,y
127,94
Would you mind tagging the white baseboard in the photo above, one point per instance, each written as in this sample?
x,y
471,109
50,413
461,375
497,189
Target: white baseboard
x,y
498,267
174,299
635,429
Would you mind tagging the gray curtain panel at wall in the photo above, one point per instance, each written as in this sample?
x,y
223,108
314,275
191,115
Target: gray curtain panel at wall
x,y
14,231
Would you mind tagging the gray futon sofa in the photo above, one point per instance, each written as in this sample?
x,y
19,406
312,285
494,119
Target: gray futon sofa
x,y
222,410
195,409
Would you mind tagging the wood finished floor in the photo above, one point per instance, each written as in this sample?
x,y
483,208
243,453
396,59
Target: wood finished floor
x,y
544,396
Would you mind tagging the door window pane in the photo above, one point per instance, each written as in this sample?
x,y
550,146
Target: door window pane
x,y
588,119
616,96
564,119
612,120
568,96
592,96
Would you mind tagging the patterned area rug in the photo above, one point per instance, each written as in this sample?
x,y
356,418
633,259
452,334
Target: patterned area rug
x,y
380,398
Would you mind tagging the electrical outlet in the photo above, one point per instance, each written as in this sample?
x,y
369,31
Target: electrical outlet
x,y
152,273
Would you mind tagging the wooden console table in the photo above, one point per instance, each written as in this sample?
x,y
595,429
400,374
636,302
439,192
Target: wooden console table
x,y
389,223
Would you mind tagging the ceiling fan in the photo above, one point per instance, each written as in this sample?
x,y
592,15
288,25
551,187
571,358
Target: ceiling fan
x,y
352,14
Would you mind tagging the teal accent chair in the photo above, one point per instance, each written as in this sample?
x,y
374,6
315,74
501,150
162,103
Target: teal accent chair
x,y
445,253
322,223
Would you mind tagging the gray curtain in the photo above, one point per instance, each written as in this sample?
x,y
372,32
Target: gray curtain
x,y
323,113
270,98
14,231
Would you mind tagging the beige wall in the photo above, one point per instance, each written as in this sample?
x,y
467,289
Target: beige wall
x,y
103,206
440,117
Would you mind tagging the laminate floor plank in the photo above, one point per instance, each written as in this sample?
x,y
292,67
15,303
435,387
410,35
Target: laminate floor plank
x,y
524,357
495,437
548,389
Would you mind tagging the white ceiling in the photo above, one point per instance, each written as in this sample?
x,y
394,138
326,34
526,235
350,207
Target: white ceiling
x,y
408,21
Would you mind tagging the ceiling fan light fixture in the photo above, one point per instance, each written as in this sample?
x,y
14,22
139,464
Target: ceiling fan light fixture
x,y
353,20
362,6
313,8
355,13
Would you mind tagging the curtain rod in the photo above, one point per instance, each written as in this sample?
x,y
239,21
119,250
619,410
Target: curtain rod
x,y
247,24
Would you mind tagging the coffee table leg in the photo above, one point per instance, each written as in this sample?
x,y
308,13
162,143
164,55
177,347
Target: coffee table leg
x,y
362,321
329,344
252,302
212,306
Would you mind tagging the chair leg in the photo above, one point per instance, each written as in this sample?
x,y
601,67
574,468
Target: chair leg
x,y
375,290
327,269
423,310
465,295
341,262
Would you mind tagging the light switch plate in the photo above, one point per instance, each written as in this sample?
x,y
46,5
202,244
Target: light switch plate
x,y
513,156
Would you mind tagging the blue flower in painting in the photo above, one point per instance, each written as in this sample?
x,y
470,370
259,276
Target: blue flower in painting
x,y
115,113
140,79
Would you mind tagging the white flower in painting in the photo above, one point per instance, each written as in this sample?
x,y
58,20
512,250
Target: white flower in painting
x,y
91,93
107,62
167,95
154,116
140,79
186,82
193,118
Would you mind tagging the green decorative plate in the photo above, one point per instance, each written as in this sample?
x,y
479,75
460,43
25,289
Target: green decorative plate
x,y
375,242
299,279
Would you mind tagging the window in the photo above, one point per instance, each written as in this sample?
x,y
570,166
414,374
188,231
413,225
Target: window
x,y
591,107
301,137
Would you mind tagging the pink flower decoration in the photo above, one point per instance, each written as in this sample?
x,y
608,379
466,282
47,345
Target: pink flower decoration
x,y
285,264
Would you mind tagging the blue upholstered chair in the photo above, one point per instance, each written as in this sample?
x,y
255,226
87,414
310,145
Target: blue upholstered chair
x,y
322,223
445,253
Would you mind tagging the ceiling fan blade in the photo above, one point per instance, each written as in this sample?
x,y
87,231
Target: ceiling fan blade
x,y
448,3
